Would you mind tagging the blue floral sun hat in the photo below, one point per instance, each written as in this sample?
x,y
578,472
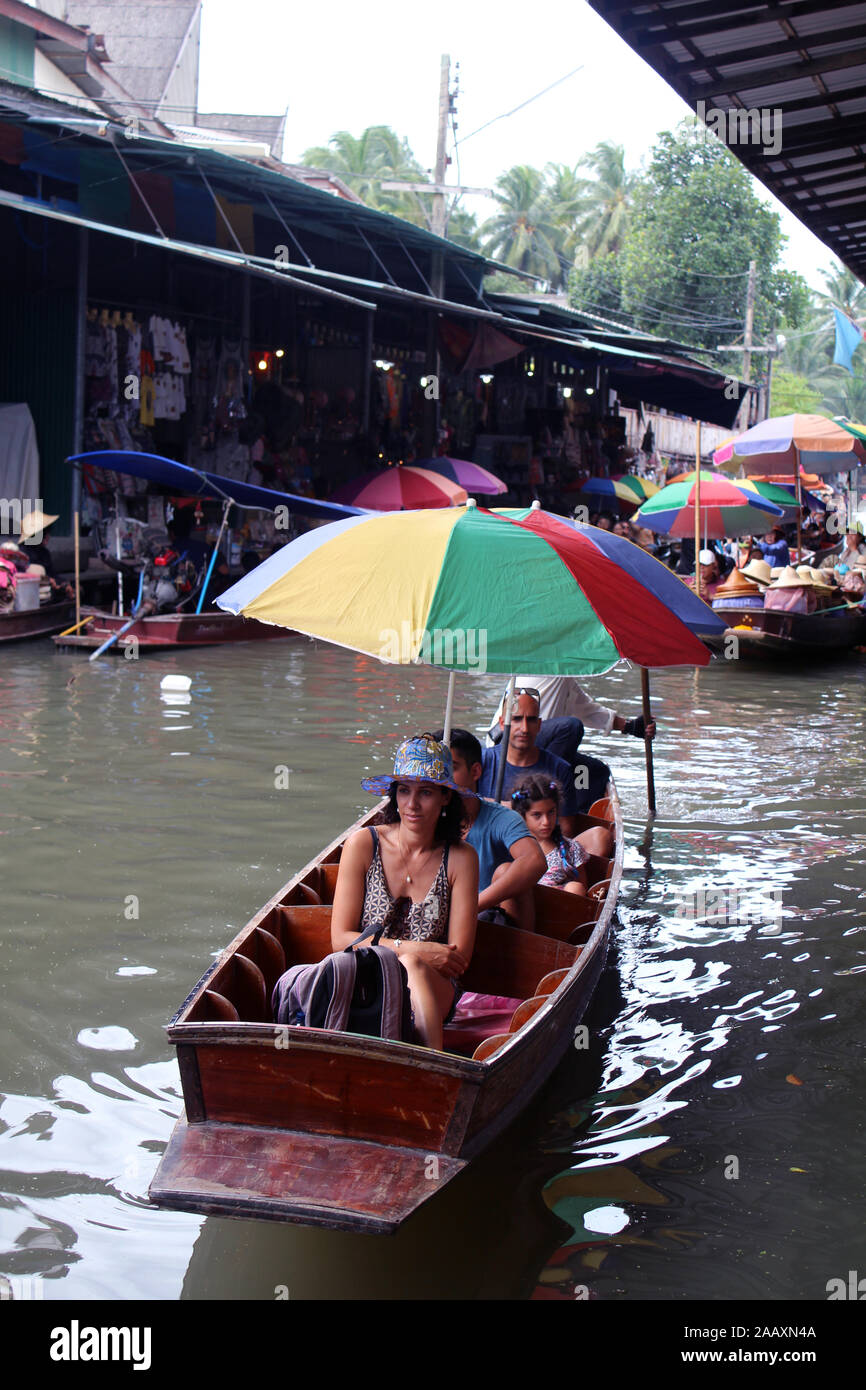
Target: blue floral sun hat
x,y
422,759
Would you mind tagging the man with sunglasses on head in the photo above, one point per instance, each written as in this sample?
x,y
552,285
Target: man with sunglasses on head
x,y
525,758
565,709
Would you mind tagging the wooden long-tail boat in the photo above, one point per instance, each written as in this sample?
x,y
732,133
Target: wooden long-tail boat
x,y
772,633
334,1129
164,631
17,625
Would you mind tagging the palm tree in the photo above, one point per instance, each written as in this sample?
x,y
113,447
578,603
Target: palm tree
x,y
379,155
607,199
567,193
522,233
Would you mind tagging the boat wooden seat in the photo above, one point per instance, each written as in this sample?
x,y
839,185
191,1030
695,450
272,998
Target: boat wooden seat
x,y
599,890
551,982
525,1011
303,930
241,982
327,881
597,869
266,951
301,893
490,1045
478,1017
602,809
215,1008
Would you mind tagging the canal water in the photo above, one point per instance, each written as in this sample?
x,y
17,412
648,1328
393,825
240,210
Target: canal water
x,y
707,1142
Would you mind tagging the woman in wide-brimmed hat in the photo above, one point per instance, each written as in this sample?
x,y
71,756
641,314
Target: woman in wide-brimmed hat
x,y
415,874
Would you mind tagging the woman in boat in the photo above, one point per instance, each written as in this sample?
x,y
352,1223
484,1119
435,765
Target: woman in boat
x,y
415,874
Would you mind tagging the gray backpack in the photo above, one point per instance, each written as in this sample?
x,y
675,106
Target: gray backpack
x,y
351,991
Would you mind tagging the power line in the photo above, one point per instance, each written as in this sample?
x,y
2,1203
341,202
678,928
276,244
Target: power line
x,y
505,114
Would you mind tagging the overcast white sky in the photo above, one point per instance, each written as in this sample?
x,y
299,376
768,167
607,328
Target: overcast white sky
x,y
339,65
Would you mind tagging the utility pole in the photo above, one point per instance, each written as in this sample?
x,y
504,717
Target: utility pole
x,y
747,337
439,222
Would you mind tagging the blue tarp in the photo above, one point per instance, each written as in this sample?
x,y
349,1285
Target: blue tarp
x,y
180,478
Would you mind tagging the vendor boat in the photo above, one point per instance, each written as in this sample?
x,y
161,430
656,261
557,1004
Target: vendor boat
x,y
18,625
159,631
793,636
165,630
354,1133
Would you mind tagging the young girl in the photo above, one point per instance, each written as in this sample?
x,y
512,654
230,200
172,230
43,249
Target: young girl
x,y
537,801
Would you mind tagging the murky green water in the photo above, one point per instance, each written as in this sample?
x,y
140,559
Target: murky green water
x,y
709,1143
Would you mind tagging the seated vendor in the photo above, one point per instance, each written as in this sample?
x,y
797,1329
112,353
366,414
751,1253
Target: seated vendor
x,y
509,860
35,526
774,548
525,757
710,575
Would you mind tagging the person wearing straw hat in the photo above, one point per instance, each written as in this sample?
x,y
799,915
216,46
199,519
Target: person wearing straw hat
x,y
758,571
34,526
415,875
791,593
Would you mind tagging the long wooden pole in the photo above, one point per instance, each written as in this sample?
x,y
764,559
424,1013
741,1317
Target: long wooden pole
x,y
799,512
77,574
697,507
647,742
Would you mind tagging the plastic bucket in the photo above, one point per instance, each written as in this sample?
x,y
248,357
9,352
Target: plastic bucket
x,y
27,593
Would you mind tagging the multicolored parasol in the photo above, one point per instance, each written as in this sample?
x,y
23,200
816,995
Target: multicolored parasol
x,y
725,509
475,590
641,487
402,488
779,445
611,491
465,474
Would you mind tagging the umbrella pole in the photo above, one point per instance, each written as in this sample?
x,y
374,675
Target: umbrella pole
x,y
697,506
647,743
449,704
504,741
799,514
117,552
77,573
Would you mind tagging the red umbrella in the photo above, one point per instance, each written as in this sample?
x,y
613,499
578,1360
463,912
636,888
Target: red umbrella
x,y
402,488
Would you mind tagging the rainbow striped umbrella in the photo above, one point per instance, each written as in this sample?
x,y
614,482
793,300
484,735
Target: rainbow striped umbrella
x,y
611,491
725,509
466,474
401,488
641,487
474,590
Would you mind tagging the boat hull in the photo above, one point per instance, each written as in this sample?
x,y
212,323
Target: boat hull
x,y
354,1133
38,622
171,630
789,636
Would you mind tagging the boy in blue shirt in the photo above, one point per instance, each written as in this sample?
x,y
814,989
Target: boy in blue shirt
x,y
510,860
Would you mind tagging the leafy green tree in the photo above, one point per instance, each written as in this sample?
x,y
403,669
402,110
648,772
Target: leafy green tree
x,y
696,224
522,233
377,156
597,287
606,200
790,394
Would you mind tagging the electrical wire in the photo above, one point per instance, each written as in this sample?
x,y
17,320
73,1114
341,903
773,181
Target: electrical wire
x,y
505,114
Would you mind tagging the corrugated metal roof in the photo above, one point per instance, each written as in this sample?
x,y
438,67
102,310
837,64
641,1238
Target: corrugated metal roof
x,y
801,58
143,38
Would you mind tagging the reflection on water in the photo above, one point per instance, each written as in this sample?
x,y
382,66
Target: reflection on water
x,y
707,1143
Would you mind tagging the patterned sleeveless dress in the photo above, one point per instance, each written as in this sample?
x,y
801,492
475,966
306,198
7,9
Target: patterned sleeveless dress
x,y
408,921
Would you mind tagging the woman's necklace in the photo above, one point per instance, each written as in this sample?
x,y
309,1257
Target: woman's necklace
x,y
408,878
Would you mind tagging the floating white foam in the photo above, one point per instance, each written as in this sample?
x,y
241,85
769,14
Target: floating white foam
x,y
607,1220
109,1039
135,970
175,682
